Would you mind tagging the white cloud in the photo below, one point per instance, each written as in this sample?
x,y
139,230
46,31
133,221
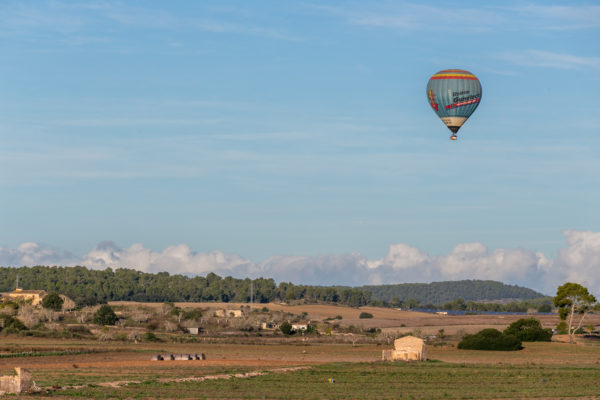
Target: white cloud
x,y
29,253
577,262
179,259
580,261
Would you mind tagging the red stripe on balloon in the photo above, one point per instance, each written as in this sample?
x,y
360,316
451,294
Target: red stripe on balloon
x,y
454,77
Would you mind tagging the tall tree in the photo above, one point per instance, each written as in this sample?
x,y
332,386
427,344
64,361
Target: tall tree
x,y
571,299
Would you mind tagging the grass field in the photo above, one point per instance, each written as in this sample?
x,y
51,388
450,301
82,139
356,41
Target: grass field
x,y
377,381
541,370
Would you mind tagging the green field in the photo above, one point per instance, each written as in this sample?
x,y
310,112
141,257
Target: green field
x,y
377,381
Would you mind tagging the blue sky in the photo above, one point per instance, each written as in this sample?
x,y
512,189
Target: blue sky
x,y
295,128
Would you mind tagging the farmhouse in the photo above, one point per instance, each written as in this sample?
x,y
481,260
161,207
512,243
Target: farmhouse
x,y
408,348
35,296
299,327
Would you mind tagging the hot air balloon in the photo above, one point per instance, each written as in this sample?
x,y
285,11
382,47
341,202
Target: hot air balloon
x,y
454,94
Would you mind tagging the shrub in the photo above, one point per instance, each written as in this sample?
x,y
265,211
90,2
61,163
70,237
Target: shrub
x,y
52,301
150,337
192,314
529,330
12,324
286,328
490,339
105,316
562,328
364,315
79,329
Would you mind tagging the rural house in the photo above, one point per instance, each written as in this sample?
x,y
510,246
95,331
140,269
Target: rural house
x,y
35,296
299,327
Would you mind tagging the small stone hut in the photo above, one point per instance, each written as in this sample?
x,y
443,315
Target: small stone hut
x,y
408,348
16,384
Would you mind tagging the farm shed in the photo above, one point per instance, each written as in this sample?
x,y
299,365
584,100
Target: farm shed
x,y
408,348
16,384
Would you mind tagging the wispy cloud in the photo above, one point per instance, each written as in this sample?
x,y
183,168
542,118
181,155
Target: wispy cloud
x,y
547,59
562,17
410,16
577,262
80,23
407,16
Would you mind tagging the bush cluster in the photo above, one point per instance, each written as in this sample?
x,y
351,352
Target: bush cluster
x,y
529,330
490,339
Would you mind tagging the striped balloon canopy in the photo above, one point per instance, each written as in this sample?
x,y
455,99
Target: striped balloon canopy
x,y
454,94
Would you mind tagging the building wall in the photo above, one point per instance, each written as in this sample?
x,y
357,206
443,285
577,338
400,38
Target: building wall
x,y
16,384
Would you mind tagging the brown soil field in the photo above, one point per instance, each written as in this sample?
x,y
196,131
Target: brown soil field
x,y
272,355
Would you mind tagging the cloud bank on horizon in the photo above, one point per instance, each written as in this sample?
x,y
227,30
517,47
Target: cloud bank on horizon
x,y
577,262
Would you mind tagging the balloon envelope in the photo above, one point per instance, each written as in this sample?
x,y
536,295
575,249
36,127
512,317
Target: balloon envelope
x,y
454,94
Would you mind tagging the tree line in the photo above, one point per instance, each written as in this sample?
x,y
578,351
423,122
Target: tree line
x,y
87,287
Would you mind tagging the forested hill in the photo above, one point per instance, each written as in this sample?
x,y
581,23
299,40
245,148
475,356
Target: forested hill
x,y
442,292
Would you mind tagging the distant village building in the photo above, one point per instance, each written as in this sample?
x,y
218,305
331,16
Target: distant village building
x,y
408,348
194,330
35,296
228,313
269,325
299,327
